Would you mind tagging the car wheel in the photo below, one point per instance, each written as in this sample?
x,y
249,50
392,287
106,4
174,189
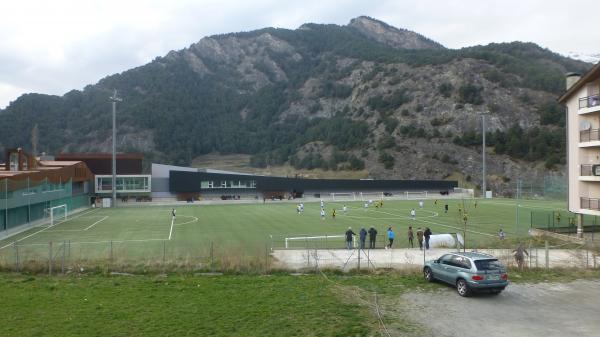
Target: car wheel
x,y
462,288
428,274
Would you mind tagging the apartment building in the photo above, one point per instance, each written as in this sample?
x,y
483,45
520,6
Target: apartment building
x,y
582,100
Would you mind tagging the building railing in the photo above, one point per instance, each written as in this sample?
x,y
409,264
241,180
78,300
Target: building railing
x,y
587,170
590,203
589,135
589,102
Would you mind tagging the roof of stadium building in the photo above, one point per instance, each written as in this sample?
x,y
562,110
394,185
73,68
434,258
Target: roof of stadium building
x,y
98,155
27,166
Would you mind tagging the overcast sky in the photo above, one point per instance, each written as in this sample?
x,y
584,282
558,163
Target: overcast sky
x,y
55,46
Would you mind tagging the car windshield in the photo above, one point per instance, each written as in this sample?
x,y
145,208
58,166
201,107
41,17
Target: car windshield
x,y
488,264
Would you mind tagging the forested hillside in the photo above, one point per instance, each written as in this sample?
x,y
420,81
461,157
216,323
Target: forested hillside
x,y
365,96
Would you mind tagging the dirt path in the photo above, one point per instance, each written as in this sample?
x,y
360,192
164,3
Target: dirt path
x,y
545,309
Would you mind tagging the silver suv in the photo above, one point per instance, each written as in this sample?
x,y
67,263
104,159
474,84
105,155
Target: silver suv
x,y
468,272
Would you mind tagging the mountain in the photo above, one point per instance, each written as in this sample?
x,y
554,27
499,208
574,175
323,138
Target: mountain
x,y
364,97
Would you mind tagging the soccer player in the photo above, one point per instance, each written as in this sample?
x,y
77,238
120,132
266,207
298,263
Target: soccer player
x,y
322,204
345,209
333,214
413,213
446,208
322,214
421,204
366,205
298,209
475,203
301,207
173,213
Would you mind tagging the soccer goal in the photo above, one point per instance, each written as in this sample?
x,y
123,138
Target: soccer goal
x,y
416,194
364,196
319,241
57,214
342,196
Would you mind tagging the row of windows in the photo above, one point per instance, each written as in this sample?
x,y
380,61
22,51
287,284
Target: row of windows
x,y
228,184
104,184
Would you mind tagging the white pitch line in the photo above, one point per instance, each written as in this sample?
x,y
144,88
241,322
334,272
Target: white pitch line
x,y
45,228
95,223
171,231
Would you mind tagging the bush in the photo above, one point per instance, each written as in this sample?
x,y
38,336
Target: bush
x,y
470,93
445,89
387,160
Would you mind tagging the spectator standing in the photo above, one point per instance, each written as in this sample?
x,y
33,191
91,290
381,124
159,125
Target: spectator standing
x,y
427,235
391,236
363,237
372,237
420,237
349,235
410,236
519,254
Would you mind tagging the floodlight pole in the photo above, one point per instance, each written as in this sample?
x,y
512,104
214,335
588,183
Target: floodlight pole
x,y
114,99
484,187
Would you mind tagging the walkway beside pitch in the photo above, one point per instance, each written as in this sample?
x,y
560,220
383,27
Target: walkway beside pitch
x,y
299,259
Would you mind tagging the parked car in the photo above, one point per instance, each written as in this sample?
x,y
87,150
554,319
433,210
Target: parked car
x,y
468,272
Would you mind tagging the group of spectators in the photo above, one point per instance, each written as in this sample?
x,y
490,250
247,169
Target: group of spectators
x,y
423,236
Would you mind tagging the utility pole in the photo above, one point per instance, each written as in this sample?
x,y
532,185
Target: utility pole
x,y
483,185
114,99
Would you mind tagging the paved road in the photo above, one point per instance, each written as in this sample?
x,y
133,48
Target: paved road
x,y
546,309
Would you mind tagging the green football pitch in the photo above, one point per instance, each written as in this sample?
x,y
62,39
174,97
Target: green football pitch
x,y
251,229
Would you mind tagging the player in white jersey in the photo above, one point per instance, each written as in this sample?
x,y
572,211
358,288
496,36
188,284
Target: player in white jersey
x,y
322,214
366,205
413,213
322,204
301,207
421,204
345,209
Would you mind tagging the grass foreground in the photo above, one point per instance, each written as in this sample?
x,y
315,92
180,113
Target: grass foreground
x,y
219,305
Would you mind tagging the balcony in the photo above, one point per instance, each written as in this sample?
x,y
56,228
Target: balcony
x,y
589,104
589,138
589,172
590,203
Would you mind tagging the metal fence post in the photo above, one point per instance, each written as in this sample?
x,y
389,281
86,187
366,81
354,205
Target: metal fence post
x,y
50,258
164,252
547,255
64,252
587,259
17,264
212,257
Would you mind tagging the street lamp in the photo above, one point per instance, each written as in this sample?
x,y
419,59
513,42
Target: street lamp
x,y
483,185
114,99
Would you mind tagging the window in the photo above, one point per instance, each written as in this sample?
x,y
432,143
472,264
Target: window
x,y
492,264
461,262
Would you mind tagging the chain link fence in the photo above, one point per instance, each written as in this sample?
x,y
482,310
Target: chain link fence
x,y
131,256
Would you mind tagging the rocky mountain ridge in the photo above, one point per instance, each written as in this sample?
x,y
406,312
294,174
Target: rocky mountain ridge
x,y
365,96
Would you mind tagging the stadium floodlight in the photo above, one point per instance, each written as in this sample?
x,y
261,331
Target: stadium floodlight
x,y
114,99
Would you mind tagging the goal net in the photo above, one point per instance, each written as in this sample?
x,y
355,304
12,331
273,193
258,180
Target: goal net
x,y
365,196
416,194
318,241
343,196
56,214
